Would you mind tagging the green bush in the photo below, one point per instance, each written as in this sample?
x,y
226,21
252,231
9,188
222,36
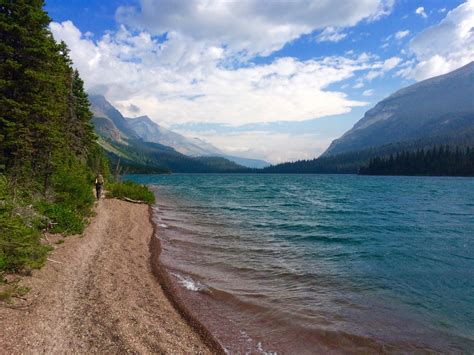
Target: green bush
x,y
72,184
73,198
130,190
64,218
20,246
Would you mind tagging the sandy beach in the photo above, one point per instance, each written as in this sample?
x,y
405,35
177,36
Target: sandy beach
x,y
99,293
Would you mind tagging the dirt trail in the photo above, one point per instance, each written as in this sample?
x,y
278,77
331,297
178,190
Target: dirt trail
x,y
97,294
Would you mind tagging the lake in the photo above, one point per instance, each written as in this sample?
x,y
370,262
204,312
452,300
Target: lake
x,y
311,263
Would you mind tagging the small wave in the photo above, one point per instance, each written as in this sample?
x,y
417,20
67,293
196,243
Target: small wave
x,y
162,225
252,347
261,350
189,284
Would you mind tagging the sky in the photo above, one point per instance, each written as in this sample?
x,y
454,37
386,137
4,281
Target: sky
x,y
268,79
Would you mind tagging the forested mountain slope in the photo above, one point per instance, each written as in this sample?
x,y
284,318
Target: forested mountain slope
x,y
438,107
430,114
111,125
150,131
126,147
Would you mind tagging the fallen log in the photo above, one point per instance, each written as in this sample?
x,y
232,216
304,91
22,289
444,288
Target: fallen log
x,y
131,200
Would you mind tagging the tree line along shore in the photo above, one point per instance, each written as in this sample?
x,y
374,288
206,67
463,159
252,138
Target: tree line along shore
x,y
49,155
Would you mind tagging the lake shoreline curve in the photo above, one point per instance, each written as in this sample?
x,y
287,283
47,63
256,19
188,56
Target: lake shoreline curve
x,y
104,291
163,278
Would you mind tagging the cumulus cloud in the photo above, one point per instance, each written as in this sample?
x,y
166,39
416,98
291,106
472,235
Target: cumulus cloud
x,y
181,81
445,46
402,34
369,92
421,11
191,62
252,26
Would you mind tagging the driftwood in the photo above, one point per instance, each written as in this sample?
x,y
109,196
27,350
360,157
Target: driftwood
x,y
132,201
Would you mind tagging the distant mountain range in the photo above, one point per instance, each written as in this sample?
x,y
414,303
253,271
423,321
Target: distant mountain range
x,y
150,131
122,140
433,112
114,128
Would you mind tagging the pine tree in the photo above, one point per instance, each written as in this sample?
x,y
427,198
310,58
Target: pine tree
x,y
31,94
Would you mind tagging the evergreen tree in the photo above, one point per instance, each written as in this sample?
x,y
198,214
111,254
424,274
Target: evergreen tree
x,y
47,144
44,109
442,161
31,91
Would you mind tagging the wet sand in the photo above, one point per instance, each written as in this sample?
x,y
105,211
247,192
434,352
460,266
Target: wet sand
x,y
103,293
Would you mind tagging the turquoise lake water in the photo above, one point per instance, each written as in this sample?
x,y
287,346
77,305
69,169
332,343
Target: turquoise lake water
x,y
305,263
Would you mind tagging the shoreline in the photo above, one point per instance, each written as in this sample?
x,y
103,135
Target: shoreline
x,y
163,278
104,292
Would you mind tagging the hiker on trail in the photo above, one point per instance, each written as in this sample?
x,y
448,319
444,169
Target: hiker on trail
x,y
99,182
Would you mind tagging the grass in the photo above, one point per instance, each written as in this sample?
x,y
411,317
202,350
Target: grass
x,y
131,190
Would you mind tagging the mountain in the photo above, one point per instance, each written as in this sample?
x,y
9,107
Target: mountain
x,y
435,108
122,143
108,121
247,162
150,131
351,162
430,114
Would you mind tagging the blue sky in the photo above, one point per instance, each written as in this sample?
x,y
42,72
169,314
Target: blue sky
x,y
276,80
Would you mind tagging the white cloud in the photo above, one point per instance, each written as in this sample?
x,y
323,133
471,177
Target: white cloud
x,y
266,145
379,69
190,62
390,63
180,81
402,34
445,46
421,11
252,26
331,34
369,92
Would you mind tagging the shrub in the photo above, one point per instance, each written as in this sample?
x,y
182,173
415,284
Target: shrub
x,y
73,198
130,190
64,218
20,246
72,185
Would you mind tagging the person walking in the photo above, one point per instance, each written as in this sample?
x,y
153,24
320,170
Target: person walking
x,y
99,183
